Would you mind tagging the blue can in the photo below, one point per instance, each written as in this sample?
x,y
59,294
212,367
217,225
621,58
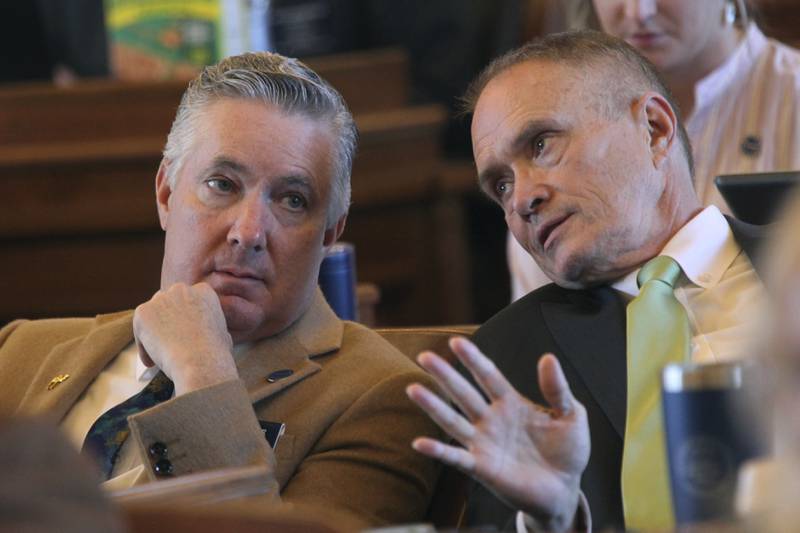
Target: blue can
x,y
337,279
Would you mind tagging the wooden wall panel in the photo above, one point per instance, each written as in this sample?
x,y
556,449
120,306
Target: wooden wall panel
x,y
79,232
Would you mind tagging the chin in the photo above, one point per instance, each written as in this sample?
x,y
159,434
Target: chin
x,y
241,316
569,273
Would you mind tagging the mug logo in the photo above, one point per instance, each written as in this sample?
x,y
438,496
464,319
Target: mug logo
x,y
705,467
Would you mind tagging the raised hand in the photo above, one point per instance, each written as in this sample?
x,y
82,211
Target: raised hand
x,y
530,456
182,330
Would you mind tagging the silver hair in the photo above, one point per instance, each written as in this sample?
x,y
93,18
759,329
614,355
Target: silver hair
x,y
276,80
624,69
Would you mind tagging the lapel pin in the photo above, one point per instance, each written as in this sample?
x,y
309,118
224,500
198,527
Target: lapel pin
x,y
279,375
56,381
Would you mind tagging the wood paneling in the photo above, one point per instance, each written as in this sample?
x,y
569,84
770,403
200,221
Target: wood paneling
x,y
108,109
78,226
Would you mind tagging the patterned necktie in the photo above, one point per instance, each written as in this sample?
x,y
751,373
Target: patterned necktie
x,y
658,334
109,431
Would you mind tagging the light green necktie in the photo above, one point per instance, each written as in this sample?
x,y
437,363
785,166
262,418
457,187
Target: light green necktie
x,y
658,334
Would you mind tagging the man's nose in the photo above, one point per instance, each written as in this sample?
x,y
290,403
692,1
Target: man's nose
x,y
640,10
530,193
249,227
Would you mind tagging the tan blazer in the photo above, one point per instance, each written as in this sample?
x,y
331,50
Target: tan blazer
x,y
348,422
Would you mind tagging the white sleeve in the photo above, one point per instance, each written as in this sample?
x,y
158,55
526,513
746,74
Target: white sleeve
x,y
525,273
582,521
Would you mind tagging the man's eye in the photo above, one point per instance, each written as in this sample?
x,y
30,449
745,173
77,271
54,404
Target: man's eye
x,y
295,201
502,188
221,185
539,145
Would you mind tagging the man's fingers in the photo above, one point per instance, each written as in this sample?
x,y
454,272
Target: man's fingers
x,y
491,380
449,454
554,386
440,412
468,399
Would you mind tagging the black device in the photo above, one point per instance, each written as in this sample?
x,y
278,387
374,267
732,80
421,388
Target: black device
x,y
273,431
756,198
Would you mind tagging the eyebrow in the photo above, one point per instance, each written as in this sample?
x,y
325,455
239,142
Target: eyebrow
x,y
529,131
222,162
297,180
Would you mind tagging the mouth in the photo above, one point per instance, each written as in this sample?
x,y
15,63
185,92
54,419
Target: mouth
x,y
644,39
240,274
546,229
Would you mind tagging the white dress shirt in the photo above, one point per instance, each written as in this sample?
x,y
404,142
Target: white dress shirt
x,y
719,289
746,119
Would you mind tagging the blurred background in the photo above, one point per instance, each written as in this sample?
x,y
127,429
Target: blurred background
x,y
88,90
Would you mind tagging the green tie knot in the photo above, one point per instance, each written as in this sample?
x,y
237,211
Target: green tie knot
x,y
662,268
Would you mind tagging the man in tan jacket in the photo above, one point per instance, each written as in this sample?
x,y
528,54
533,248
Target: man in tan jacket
x,y
253,187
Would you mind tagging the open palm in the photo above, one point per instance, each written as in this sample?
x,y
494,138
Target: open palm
x,y
530,456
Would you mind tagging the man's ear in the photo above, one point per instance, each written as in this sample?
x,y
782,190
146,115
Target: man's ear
x,y
662,125
333,233
163,193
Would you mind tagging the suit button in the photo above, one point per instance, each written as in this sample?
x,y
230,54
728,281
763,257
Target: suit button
x,y
279,374
163,468
157,449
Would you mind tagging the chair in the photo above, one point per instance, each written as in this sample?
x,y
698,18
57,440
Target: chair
x,y
412,341
450,496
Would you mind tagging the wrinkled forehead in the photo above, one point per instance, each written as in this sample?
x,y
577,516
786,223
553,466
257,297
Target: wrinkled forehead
x,y
540,90
262,136
526,92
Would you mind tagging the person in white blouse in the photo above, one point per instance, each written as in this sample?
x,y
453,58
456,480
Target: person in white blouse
x,y
738,93
577,139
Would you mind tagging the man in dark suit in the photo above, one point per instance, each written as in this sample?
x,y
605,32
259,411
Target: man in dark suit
x,y
579,142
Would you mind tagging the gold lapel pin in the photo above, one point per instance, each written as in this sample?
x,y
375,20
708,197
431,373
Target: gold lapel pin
x,y
56,381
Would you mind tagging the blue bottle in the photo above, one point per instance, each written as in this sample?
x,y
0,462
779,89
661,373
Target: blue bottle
x,y
337,279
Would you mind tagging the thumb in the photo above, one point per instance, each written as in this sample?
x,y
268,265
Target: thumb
x,y
554,386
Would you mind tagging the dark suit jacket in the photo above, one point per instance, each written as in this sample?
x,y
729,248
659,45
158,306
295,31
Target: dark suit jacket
x,y
585,329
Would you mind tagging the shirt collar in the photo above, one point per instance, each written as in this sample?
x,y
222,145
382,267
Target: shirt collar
x,y
740,62
704,248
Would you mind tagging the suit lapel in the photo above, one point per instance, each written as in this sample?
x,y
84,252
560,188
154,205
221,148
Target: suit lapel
x,y
597,353
82,360
316,333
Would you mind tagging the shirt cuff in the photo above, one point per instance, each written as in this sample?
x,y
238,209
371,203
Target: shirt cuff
x,y
582,521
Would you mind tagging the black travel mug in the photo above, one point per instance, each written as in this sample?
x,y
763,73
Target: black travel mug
x,y
707,437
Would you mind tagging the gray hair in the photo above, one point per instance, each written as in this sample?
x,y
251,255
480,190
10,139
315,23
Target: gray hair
x,y
280,81
624,66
